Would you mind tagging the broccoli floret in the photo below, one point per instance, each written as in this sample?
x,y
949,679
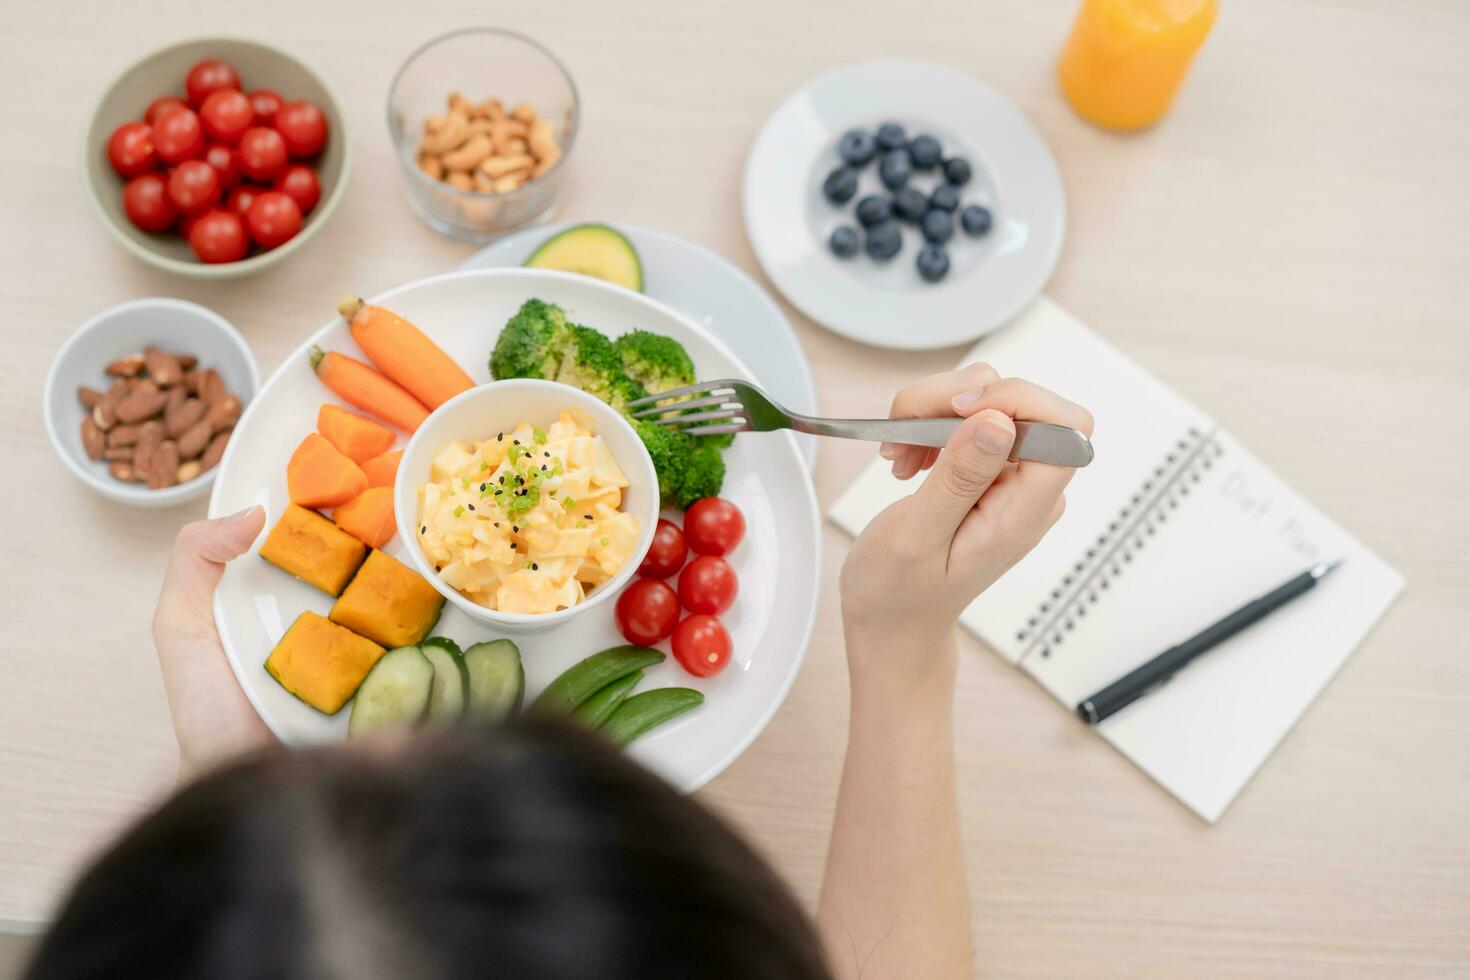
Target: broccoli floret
x,y
668,450
589,362
701,475
657,362
532,342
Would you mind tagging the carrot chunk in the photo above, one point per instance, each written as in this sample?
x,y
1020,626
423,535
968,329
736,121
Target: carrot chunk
x,y
359,385
368,517
319,476
403,352
357,438
383,470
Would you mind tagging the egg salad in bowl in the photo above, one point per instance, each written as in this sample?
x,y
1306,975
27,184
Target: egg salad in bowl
x,y
528,520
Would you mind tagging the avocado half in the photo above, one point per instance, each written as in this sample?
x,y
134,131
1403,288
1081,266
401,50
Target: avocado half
x,y
592,250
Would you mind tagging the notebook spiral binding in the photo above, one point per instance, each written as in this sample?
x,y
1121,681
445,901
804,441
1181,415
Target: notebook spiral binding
x,y
1128,533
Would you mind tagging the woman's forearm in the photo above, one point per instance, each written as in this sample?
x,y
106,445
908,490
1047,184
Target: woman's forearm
x,y
893,899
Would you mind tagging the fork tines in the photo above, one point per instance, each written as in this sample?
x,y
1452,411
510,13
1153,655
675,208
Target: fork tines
x,y
694,414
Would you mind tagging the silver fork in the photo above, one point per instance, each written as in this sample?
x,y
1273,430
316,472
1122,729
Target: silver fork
x,y
720,407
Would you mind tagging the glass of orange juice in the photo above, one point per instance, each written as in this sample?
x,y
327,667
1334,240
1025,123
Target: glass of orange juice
x,y
1125,59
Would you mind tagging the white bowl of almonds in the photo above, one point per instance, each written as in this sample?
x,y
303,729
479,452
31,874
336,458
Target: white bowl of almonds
x,y
141,401
483,121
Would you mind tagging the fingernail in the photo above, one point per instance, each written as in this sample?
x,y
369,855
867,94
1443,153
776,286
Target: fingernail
x,y
995,434
240,515
967,399
887,450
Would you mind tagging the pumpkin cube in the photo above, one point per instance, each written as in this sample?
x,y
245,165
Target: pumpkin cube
x,y
313,549
388,602
322,663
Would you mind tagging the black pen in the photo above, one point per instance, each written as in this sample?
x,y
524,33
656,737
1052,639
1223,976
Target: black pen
x,y
1135,684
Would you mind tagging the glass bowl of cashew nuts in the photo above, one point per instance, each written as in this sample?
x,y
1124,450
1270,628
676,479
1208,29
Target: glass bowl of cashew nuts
x,y
483,121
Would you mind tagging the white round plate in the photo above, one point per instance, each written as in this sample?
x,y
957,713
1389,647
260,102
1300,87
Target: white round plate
x,y
777,563
711,291
991,278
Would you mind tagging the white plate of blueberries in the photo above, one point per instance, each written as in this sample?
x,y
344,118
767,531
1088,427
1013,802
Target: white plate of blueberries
x,y
904,205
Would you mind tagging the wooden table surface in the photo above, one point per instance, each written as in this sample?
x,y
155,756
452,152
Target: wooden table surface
x,y
1288,249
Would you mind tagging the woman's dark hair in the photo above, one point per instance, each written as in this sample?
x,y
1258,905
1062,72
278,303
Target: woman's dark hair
x,y
527,850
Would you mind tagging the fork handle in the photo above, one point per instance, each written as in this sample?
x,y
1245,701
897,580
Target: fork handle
x,y
1042,442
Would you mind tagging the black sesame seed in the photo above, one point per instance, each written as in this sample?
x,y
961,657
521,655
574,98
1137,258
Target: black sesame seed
x,y
587,516
514,529
470,506
515,442
423,530
499,492
497,523
500,437
544,468
535,567
512,546
482,488
547,455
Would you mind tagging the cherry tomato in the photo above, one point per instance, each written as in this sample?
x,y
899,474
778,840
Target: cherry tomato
x,y
226,160
262,154
708,585
226,115
666,553
208,77
273,219
701,645
177,135
242,197
266,104
647,611
304,127
300,184
713,526
147,204
130,149
194,187
219,236
161,103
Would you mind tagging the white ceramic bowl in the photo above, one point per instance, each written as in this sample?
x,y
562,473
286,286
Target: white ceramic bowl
x,y
478,414
172,324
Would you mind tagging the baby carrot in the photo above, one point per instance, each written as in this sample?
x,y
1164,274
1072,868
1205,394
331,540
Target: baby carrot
x,y
402,352
357,384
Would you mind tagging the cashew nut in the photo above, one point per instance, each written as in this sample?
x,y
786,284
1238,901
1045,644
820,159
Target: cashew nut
x,y
468,156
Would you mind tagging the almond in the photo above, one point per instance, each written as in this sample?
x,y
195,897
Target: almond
x,y
191,382
124,471
176,396
150,437
223,413
186,361
163,469
187,471
140,405
124,435
211,388
215,451
142,386
105,412
194,439
162,368
129,366
89,397
118,454
188,412
94,440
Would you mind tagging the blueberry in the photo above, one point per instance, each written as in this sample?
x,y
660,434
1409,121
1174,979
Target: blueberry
x,y
933,263
957,171
873,209
938,226
945,198
894,170
840,185
884,240
857,147
924,152
909,204
844,241
891,137
975,220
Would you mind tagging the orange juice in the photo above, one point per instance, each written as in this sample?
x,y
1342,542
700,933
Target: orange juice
x,y
1126,58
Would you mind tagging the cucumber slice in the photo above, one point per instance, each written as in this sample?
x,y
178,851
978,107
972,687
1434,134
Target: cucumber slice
x,y
598,708
395,693
585,678
592,250
451,681
649,710
497,681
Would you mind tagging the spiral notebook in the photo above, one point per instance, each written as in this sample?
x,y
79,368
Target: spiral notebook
x,y
1173,525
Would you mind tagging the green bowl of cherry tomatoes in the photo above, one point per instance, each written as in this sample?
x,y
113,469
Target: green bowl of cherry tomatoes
x,y
216,158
